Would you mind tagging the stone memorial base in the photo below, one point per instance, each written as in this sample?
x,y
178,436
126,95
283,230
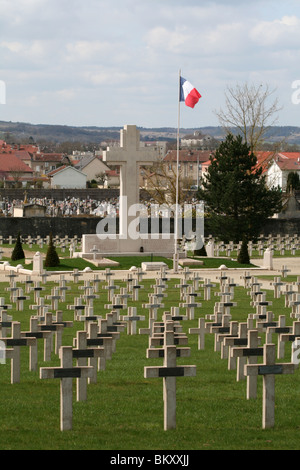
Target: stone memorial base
x,y
191,262
153,266
94,248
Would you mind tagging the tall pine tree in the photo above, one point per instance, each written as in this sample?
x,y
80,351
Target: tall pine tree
x,y
235,194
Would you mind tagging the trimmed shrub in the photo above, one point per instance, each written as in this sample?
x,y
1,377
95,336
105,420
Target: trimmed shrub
x,y
18,252
52,258
243,256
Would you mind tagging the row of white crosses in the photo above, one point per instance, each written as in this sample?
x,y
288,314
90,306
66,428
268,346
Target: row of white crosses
x,y
96,343
280,243
168,337
229,332
240,344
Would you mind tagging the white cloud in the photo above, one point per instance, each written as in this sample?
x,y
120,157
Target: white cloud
x,y
86,50
280,32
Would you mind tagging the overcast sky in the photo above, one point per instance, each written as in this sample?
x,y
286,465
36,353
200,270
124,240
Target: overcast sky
x,y
116,62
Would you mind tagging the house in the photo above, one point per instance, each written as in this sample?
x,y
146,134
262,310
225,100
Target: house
x,y
281,165
43,163
13,170
67,177
92,166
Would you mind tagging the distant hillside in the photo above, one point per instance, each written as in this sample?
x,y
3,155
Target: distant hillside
x,y
21,132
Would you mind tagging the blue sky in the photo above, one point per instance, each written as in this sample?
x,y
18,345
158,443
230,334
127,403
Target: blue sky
x,y
116,62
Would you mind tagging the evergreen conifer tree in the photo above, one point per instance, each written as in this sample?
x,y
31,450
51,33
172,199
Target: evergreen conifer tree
x,y
236,197
18,252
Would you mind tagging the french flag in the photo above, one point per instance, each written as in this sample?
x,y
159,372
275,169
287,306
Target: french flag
x,y
188,93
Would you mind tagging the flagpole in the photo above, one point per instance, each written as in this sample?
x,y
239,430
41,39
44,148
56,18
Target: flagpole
x,y
175,260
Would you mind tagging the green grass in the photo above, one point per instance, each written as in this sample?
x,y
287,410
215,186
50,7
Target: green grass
x,y
125,262
124,411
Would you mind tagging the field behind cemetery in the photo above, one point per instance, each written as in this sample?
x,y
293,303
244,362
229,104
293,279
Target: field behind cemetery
x,y
124,411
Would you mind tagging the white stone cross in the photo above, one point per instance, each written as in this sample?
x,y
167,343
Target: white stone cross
x,y
279,329
247,278
54,297
153,306
207,288
15,343
284,270
111,288
135,287
82,353
250,352
220,329
129,156
190,306
56,327
104,342
169,335
269,369
66,372
200,331
132,318
232,333
19,298
237,340
169,371
277,287
35,333
75,274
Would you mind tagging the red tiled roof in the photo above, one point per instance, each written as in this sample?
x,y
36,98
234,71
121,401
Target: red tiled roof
x,y
10,162
22,154
288,161
48,157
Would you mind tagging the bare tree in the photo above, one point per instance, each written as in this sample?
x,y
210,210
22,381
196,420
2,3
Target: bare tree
x,y
101,178
251,110
161,183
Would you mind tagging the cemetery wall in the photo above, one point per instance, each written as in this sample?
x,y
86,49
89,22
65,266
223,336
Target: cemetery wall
x,y
80,225
42,226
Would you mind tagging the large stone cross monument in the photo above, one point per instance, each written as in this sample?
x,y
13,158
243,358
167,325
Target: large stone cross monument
x,y
129,156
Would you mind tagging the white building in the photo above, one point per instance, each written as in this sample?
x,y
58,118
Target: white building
x,y
67,177
280,167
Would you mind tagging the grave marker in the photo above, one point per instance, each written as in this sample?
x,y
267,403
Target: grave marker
x,y
15,343
132,318
82,353
250,352
169,371
66,372
35,333
269,369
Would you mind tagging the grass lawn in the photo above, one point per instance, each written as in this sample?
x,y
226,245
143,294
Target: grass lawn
x,y
124,411
125,262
